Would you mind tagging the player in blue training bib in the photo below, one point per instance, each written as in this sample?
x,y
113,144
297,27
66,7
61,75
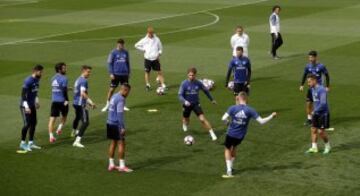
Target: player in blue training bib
x,y
119,70
81,99
321,115
319,70
240,115
189,97
29,103
116,129
60,100
241,67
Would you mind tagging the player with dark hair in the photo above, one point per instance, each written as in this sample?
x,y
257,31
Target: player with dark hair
x,y
240,115
189,97
29,103
241,67
116,128
321,115
276,38
119,69
60,100
81,99
319,70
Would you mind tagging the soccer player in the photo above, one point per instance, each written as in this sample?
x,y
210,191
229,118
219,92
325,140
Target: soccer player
x,y
116,128
241,67
60,100
240,38
189,96
240,115
276,38
321,115
152,48
119,69
28,105
317,69
81,99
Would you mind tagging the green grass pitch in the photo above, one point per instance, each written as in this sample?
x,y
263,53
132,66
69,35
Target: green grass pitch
x,y
271,160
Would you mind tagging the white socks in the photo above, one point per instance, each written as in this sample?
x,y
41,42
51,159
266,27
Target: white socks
x,y
111,162
51,135
229,166
121,163
78,139
185,127
309,116
212,134
327,145
314,145
60,126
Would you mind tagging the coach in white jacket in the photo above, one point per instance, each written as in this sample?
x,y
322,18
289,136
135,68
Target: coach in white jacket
x,y
240,38
152,48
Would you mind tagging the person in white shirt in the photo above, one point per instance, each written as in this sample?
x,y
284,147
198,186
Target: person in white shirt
x,y
276,39
152,48
240,39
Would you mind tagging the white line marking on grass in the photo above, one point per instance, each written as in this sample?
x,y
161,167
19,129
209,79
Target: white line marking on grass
x,y
216,20
128,23
18,3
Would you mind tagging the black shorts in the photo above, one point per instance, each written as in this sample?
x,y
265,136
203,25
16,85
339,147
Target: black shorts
x,y
119,79
321,121
239,87
309,97
152,65
113,132
58,108
232,141
193,107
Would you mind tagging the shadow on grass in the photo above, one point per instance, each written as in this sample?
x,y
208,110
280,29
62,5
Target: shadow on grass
x,y
347,146
159,161
266,167
345,119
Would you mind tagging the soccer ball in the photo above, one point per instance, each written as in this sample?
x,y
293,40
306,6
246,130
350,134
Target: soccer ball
x,y
160,90
209,84
189,140
231,85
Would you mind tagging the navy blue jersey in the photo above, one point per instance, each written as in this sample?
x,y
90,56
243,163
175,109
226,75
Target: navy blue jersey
x,y
320,100
59,85
30,90
240,116
241,67
189,91
318,70
116,111
118,62
81,85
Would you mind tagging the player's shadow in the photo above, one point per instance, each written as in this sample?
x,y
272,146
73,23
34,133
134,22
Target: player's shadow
x,y
345,119
346,146
158,161
269,168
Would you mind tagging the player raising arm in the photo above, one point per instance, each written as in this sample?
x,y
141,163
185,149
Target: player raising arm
x,y
240,115
189,97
